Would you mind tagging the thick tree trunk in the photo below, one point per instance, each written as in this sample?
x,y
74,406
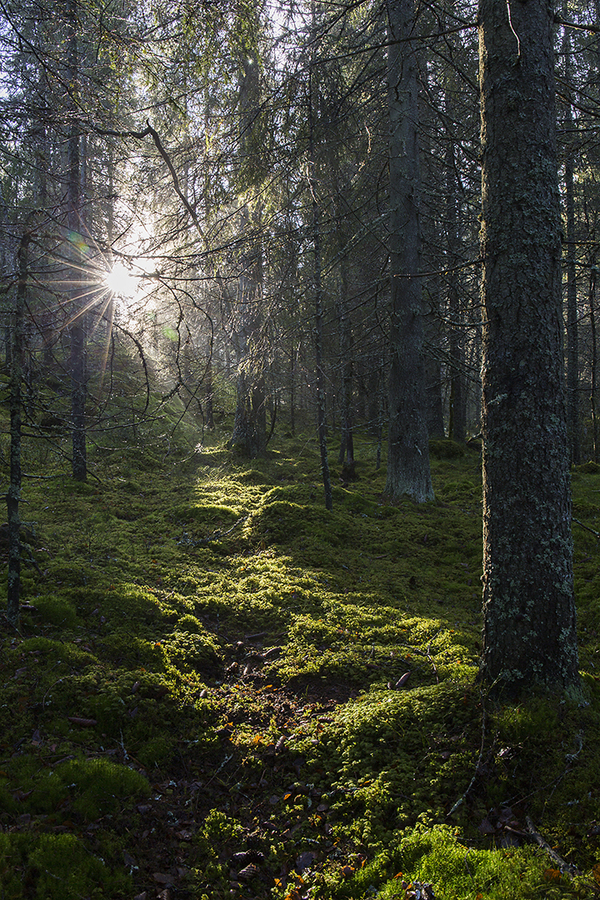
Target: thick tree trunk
x,y
529,636
408,444
249,435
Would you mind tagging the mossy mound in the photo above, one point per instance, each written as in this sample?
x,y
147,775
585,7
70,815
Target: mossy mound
x,y
221,689
446,449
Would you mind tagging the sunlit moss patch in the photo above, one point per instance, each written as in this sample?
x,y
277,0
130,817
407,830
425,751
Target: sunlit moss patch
x,y
211,664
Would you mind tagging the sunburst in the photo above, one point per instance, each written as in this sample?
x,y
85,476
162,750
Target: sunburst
x,y
121,282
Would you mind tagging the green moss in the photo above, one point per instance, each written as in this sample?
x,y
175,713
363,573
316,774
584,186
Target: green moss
x,y
457,871
189,651
100,786
254,676
458,490
56,610
588,468
56,867
446,449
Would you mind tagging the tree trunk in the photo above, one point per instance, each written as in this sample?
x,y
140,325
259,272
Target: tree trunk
x,y
433,366
529,636
593,363
209,419
13,494
249,435
572,319
346,454
457,413
318,293
77,326
292,377
572,313
408,446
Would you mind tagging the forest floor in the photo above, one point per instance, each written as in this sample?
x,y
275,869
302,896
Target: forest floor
x,y
220,689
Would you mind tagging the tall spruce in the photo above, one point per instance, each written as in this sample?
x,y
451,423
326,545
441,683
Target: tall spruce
x,y
408,470
529,636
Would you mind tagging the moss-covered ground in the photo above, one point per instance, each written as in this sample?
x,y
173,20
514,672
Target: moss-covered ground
x,y
220,689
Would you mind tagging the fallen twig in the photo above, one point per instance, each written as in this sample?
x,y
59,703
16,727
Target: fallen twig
x,y
587,528
464,795
562,864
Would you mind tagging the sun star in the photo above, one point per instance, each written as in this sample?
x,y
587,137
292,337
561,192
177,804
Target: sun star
x,y
121,282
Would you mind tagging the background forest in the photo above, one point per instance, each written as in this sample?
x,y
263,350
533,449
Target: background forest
x,y
238,660
205,189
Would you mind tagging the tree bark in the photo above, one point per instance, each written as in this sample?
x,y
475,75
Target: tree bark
x,y
593,362
529,636
318,292
249,435
457,414
408,444
77,326
572,312
13,495
346,454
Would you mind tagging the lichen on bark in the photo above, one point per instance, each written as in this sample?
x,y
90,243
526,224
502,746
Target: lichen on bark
x,y
529,635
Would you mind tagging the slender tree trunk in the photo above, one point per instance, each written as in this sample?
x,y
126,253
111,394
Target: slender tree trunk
x,y
13,495
572,320
321,406
318,285
381,393
208,393
572,316
342,188
593,363
433,367
346,454
77,326
408,444
529,635
457,423
293,387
